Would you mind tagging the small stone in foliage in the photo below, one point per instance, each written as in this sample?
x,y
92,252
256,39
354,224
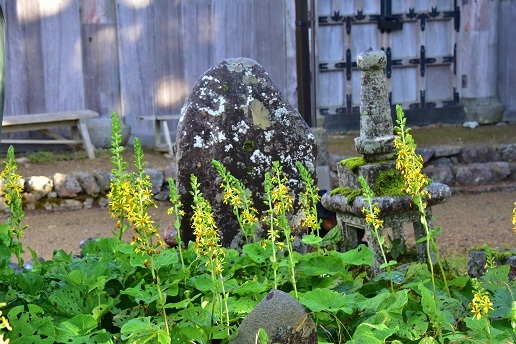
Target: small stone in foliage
x,y
283,318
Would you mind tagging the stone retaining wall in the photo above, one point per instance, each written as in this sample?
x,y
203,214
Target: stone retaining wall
x,y
471,169
81,190
468,169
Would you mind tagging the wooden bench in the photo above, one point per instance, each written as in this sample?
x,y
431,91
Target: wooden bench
x,y
161,127
42,122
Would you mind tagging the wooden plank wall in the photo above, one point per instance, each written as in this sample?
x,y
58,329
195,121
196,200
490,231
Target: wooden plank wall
x,y
137,57
506,53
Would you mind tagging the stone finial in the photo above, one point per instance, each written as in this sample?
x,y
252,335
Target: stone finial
x,y
376,140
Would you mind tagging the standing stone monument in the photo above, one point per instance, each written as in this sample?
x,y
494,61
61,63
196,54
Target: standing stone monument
x,y
376,144
236,115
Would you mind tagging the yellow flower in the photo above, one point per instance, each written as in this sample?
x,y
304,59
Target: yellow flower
x,y
514,217
481,304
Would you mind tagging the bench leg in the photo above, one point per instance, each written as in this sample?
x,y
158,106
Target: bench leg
x,y
166,134
88,146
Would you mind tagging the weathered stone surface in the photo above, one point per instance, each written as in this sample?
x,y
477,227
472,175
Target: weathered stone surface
x,y
30,200
88,183
170,172
501,170
442,162
508,152
476,263
237,116
482,173
156,177
512,167
376,141
88,203
103,180
426,153
440,151
388,205
474,154
162,195
283,318
66,186
440,174
321,137
484,110
39,186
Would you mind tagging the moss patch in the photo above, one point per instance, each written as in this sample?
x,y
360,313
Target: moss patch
x,y
351,194
389,183
353,163
248,146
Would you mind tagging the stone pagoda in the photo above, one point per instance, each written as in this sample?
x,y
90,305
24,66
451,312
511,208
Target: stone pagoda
x,y
376,145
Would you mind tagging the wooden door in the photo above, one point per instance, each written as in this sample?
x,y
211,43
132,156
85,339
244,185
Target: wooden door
x,y
419,38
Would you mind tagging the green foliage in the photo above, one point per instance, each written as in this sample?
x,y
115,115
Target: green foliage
x,y
118,292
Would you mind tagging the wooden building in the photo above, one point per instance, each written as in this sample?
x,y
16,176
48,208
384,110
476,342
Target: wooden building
x,y
142,57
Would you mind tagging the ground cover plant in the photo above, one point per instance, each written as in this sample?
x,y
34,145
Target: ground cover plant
x,y
142,292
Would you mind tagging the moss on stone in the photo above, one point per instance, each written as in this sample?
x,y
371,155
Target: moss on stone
x,y
351,194
353,163
248,146
389,183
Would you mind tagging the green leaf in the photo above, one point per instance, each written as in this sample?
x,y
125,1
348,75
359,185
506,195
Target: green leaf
x,y
101,310
437,318
390,263
193,333
311,239
68,301
315,265
358,256
30,326
165,258
139,259
327,300
257,253
251,287
30,282
459,282
143,292
81,329
415,327
183,303
203,283
387,301
372,334
101,246
242,305
141,330
196,315
262,337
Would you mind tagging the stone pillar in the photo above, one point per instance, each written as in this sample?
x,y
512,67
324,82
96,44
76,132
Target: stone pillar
x,y
376,140
477,50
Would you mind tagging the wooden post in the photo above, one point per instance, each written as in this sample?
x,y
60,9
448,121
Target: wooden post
x,y
303,62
